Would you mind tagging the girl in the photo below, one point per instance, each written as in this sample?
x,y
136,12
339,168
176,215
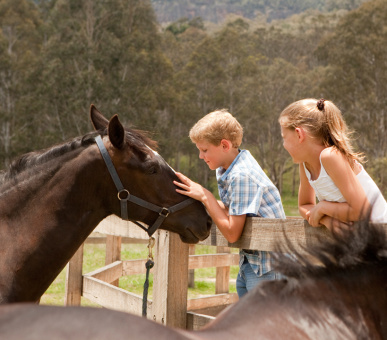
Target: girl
x,y
316,137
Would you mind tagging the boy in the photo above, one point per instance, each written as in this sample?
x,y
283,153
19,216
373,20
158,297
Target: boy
x,y
244,190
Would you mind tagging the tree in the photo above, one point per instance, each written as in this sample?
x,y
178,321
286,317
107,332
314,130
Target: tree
x,y
106,55
20,44
356,57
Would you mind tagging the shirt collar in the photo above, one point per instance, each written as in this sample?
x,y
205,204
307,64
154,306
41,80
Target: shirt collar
x,y
222,173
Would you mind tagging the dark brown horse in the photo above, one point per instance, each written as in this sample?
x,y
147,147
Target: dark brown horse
x,y
338,292
50,201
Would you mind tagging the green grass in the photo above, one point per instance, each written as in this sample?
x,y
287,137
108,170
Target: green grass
x,y
290,204
94,258
289,195
55,293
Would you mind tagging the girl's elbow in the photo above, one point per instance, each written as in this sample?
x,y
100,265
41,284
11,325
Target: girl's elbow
x,y
356,215
359,212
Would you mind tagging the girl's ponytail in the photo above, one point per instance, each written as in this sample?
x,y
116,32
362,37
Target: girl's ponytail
x,y
323,120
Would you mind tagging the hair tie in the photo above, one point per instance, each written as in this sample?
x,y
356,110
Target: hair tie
x,y
320,104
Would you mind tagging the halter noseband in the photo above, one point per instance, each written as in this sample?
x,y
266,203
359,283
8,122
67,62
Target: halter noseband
x,y
124,195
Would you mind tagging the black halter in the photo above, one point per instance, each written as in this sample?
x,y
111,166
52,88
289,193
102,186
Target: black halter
x,y
124,196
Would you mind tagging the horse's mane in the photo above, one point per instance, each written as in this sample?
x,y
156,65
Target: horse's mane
x,y
137,139
362,243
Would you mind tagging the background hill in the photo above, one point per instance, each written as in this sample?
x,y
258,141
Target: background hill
x,y
216,11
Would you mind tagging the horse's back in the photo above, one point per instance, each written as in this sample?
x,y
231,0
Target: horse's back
x,y
30,322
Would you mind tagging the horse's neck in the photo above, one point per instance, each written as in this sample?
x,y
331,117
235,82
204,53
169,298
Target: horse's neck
x,y
48,214
54,187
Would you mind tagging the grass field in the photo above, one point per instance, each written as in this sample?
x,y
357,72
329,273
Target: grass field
x,y
94,257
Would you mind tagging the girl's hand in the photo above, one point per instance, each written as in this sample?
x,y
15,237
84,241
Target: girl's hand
x,y
190,188
314,216
335,225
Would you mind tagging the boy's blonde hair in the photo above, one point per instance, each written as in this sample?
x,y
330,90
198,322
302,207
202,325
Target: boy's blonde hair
x,y
216,126
323,120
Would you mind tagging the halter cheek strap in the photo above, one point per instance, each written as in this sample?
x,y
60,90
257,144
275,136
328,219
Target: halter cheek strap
x,y
124,195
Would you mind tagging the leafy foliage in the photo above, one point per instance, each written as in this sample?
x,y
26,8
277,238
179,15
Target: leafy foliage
x,y
59,56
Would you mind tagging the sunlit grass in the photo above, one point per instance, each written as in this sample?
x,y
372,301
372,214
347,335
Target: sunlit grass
x,y
55,293
94,258
290,204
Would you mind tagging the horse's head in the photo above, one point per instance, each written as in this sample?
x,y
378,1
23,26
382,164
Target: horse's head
x,y
146,175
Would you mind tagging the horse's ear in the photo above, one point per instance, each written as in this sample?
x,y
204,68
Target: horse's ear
x,y
116,132
98,120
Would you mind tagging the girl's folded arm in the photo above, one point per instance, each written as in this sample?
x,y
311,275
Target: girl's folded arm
x,y
344,177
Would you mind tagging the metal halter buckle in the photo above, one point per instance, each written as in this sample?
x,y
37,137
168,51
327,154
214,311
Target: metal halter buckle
x,y
164,212
125,195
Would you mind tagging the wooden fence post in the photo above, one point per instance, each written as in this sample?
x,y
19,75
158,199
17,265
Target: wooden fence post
x,y
191,272
113,252
74,279
170,280
222,282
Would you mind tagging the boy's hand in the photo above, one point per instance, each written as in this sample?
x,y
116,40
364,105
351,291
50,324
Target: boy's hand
x,y
230,226
190,188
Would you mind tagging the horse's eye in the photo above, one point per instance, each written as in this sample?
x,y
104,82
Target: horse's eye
x,y
153,169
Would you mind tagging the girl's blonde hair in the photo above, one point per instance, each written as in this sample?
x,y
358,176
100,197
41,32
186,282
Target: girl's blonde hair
x,y
216,126
322,120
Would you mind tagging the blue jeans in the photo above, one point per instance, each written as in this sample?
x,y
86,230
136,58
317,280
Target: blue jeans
x,y
247,279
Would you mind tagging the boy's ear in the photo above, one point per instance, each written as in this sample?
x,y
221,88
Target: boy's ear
x,y
226,144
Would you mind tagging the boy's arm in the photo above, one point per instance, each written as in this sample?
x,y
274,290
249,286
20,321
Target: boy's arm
x,y
230,226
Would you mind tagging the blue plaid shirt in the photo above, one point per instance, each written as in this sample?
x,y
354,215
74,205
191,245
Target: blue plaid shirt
x,y
246,190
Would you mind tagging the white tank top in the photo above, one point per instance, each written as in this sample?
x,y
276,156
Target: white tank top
x,y
326,190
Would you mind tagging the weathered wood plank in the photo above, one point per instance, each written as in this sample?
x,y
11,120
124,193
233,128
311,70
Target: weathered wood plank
x,y
222,281
212,301
170,285
196,321
191,272
131,267
264,233
213,260
259,233
124,240
211,311
109,296
109,273
113,225
73,286
113,253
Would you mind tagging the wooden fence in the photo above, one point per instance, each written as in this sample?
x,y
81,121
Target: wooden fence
x,y
169,305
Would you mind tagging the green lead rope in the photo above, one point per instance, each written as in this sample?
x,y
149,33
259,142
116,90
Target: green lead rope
x,y
148,265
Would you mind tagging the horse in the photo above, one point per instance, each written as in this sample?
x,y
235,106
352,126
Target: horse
x,y
51,200
336,290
